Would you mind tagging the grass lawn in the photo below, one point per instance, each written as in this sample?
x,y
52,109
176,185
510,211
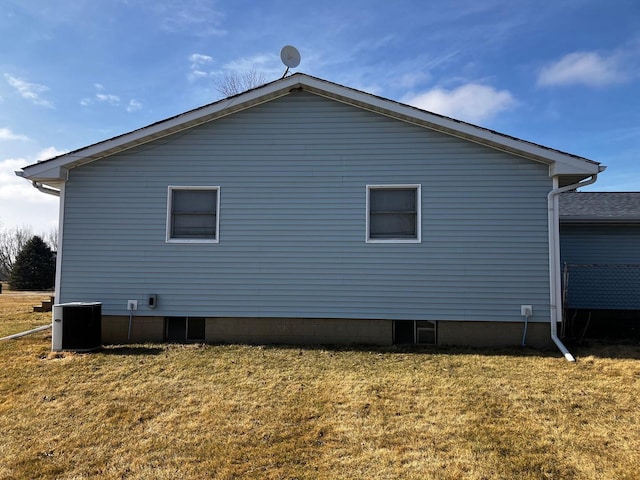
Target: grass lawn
x,y
16,311
242,412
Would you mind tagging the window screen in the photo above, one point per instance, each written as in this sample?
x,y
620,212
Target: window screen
x,y
393,213
193,214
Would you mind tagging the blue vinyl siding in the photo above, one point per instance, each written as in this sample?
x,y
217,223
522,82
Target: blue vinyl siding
x,y
292,175
604,266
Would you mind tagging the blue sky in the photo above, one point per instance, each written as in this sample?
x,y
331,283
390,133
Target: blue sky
x,y
565,74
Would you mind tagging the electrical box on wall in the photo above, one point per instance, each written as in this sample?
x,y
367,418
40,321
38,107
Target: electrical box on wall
x,y
132,305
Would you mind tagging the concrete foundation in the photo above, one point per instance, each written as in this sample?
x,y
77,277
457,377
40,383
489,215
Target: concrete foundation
x,y
299,331
493,334
115,329
327,331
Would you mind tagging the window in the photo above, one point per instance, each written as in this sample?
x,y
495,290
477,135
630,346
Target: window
x,y
426,332
414,331
393,213
193,214
184,329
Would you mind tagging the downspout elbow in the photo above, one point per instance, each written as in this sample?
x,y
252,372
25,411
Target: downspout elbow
x,y
45,189
39,185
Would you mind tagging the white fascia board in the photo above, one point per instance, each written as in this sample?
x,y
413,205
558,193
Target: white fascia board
x,y
561,163
45,173
160,129
573,168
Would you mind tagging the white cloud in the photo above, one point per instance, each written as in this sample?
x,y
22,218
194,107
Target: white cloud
x,y
49,152
196,74
198,59
412,79
100,96
7,134
29,91
583,68
260,67
134,105
196,17
255,62
471,102
20,203
111,99
199,65
263,67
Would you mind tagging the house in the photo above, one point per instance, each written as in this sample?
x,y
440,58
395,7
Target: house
x,y
600,254
304,211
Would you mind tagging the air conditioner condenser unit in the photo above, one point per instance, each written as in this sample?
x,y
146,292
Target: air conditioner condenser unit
x,y
76,326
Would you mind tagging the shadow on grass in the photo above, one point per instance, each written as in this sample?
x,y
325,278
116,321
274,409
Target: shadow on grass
x,y
426,350
131,350
600,350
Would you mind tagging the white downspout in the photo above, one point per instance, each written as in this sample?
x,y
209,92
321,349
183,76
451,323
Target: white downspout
x,y
60,194
58,284
554,259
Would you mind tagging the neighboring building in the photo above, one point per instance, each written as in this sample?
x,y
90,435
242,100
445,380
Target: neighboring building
x,y
307,212
600,253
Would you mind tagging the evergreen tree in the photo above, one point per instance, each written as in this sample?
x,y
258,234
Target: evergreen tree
x,y
34,268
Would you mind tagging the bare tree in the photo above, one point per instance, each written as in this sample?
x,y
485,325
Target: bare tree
x,y
11,243
238,82
13,240
51,238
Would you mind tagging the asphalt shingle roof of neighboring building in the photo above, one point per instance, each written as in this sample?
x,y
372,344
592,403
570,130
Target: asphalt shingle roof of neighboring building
x,y
604,207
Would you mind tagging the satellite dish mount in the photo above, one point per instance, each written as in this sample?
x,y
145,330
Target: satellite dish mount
x,y
290,57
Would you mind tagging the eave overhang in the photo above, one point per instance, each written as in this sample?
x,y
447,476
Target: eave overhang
x,y
598,221
53,172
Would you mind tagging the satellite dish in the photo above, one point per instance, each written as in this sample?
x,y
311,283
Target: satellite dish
x,y
290,56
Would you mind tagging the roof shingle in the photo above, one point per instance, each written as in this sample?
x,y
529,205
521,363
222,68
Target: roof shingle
x,y
595,207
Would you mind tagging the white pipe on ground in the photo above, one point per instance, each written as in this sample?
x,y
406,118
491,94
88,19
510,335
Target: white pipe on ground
x,y
28,332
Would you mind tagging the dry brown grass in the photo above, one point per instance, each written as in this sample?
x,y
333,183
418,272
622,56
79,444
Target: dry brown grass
x,y
231,412
16,313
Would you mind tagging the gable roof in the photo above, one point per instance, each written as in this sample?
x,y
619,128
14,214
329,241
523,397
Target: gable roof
x,y
600,207
53,172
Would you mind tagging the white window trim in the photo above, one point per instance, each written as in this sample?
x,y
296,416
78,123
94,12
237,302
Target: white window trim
x,y
418,238
192,240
